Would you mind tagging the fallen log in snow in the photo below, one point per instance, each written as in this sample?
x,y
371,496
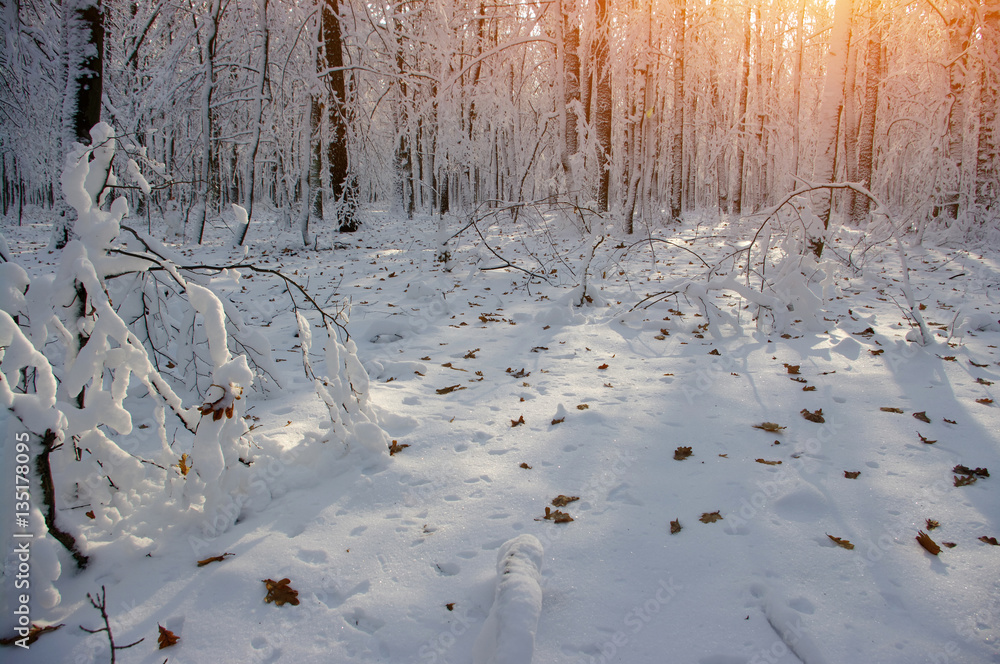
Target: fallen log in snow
x,y
508,635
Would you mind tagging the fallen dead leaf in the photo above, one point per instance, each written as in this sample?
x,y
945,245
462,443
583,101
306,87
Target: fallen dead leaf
x,y
563,501
32,636
518,422
710,517
890,409
214,559
183,464
852,474
396,447
769,426
768,463
932,524
555,516
925,541
989,540
280,592
842,543
166,637
682,453
675,526
815,416
965,470
449,389
922,416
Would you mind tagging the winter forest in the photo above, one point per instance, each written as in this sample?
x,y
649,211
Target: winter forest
x,y
558,331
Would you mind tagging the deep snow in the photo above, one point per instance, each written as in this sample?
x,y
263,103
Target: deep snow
x,y
399,563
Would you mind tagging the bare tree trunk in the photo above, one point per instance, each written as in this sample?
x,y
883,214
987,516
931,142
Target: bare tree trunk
x,y
866,134
717,124
988,149
571,88
258,116
831,105
851,125
797,88
84,33
312,197
742,136
960,29
603,103
343,187
677,147
206,117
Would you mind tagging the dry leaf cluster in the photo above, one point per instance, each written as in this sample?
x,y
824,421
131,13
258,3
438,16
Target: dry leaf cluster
x,y
556,516
815,416
280,592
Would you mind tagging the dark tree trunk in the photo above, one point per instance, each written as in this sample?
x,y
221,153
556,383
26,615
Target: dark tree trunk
x,y
677,149
85,23
342,186
84,84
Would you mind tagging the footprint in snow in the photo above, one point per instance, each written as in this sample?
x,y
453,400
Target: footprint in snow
x,y
447,569
312,556
266,651
334,597
359,619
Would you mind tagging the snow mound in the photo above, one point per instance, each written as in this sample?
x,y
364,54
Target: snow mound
x,y
508,635
979,323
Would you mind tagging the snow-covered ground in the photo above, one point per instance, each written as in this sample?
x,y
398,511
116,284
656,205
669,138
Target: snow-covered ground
x,y
398,562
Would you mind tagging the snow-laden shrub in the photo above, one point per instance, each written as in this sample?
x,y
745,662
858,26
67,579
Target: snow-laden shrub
x,y
25,418
345,392
76,376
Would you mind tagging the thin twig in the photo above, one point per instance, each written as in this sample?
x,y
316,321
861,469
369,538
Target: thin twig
x,y
102,606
